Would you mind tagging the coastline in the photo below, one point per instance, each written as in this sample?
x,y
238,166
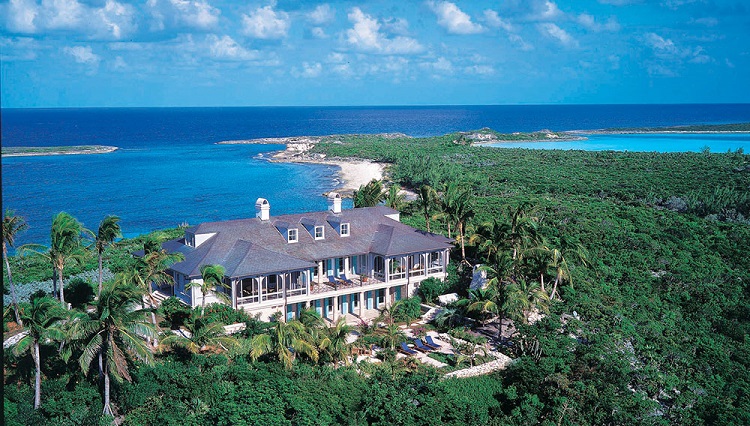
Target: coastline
x,y
352,172
26,151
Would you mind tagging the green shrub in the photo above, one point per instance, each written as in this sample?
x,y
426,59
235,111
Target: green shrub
x,y
222,313
431,288
78,293
407,310
174,312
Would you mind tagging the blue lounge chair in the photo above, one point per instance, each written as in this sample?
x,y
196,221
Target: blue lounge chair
x,y
334,281
420,346
431,343
346,280
407,350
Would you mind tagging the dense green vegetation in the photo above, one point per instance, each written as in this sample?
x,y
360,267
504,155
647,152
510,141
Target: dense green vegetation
x,y
652,328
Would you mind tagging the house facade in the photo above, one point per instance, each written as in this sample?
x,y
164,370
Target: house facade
x,y
339,262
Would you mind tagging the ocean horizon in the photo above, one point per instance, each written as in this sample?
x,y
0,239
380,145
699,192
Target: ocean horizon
x,y
169,170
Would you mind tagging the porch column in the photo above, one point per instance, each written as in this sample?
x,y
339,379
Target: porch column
x,y
234,293
425,258
320,271
387,297
346,266
361,304
387,268
335,308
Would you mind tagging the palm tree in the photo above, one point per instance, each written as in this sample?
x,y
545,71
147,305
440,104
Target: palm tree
x,y
65,246
286,340
390,336
116,330
458,208
522,297
109,230
394,198
561,267
12,225
491,239
152,268
369,195
335,342
522,230
448,318
202,338
43,323
426,199
212,278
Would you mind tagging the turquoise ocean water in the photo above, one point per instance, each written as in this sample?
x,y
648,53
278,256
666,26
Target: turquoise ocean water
x,y
661,142
169,171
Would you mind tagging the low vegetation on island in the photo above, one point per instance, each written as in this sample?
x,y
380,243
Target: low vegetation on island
x,y
618,281
29,151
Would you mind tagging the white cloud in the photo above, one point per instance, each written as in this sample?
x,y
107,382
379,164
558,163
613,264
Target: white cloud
x,y
198,14
63,14
590,23
321,15
366,36
520,43
225,48
308,70
318,32
21,15
441,65
707,21
660,45
494,20
551,30
117,19
83,54
547,11
266,23
112,20
119,63
18,49
479,69
453,19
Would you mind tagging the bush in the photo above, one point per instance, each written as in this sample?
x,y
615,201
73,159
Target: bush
x,y
175,312
222,313
431,288
78,293
407,309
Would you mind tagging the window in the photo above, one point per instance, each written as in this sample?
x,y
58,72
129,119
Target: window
x,y
344,229
291,235
319,233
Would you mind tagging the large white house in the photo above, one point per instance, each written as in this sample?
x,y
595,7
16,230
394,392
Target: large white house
x,y
341,262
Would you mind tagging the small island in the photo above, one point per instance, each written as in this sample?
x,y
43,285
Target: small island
x,y
28,151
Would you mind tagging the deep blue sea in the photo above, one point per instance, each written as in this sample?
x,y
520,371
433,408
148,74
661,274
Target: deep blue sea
x,y
169,171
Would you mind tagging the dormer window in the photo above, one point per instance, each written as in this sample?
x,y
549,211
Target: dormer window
x,y
344,230
319,233
291,235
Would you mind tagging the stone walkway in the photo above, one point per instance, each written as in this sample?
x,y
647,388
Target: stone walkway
x,y
485,368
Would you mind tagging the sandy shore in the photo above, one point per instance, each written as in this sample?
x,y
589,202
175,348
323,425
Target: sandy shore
x,y
353,173
73,150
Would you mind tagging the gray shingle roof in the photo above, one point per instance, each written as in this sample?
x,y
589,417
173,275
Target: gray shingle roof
x,y
247,247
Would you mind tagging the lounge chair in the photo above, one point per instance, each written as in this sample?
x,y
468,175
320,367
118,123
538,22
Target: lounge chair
x,y
334,281
420,346
407,350
346,280
431,343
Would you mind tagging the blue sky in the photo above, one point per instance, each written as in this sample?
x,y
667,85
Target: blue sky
x,y
60,53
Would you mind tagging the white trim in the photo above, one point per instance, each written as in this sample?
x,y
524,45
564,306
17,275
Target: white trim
x,y
289,238
341,229
322,232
